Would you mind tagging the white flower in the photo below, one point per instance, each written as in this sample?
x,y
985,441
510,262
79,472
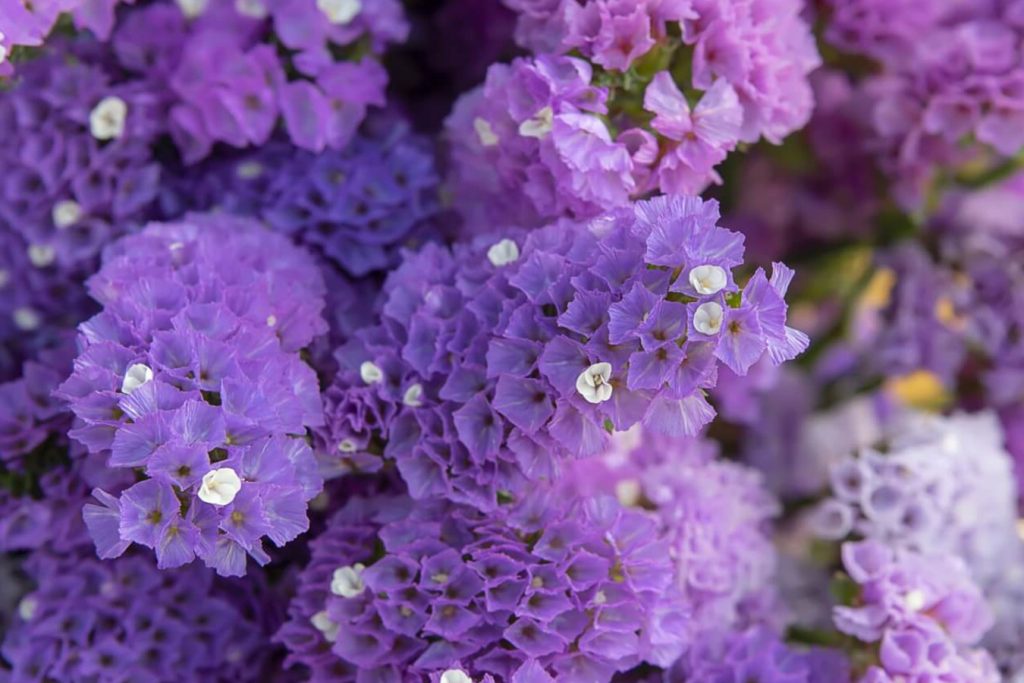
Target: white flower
x,y
593,383
708,318
135,376
220,486
538,125
348,581
484,132
26,319
254,9
914,600
340,11
600,598
271,320
503,253
708,279
628,492
106,121
455,676
413,396
3,50
347,446
321,622
27,608
66,213
41,255
371,372
192,8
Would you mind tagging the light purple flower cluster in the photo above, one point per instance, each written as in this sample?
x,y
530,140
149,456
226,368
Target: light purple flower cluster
x,y
191,377
356,207
236,69
578,136
498,359
923,612
27,24
90,620
576,589
940,485
949,72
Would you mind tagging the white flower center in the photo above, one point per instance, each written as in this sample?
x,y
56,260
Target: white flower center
x,y
27,608
708,279
371,372
135,376
26,319
347,446
708,318
413,396
321,622
271,320
66,213
192,8
254,9
348,581
914,600
484,132
503,253
41,255
220,486
455,676
249,170
106,121
600,598
592,384
340,11
538,125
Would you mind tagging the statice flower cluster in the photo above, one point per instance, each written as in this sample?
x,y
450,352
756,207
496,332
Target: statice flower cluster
x,y
942,485
501,358
90,620
575,588
948,73
922,612
191,377
28,24
355,207
616,120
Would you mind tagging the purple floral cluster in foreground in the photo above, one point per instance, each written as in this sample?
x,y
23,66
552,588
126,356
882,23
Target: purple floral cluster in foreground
x,y
191,376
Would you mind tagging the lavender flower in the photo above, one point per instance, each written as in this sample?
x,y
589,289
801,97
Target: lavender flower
x,y
191,378
552,587
498,359
94,620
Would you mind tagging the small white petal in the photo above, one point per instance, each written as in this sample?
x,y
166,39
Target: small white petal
x,y
455,676
347,446
27,607
628,492
708,279
539,125
66,213
600,598
41,255
593,383
708,318
254,9
135,376
106,121
192,8
271,320
484,132
348,581
503,253
914,600
220,486
26,319
413,396
371,372
3,53
340,12
321,622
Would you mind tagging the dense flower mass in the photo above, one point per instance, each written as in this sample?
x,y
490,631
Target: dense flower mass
x,y
575,589
191,377
90,620
356,207
494,362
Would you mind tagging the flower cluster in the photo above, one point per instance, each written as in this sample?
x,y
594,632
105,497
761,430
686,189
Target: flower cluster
x,y
947,72
29,23
580,135
941,485
125,620
356,207
191,377
575,589
923,611
494,361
